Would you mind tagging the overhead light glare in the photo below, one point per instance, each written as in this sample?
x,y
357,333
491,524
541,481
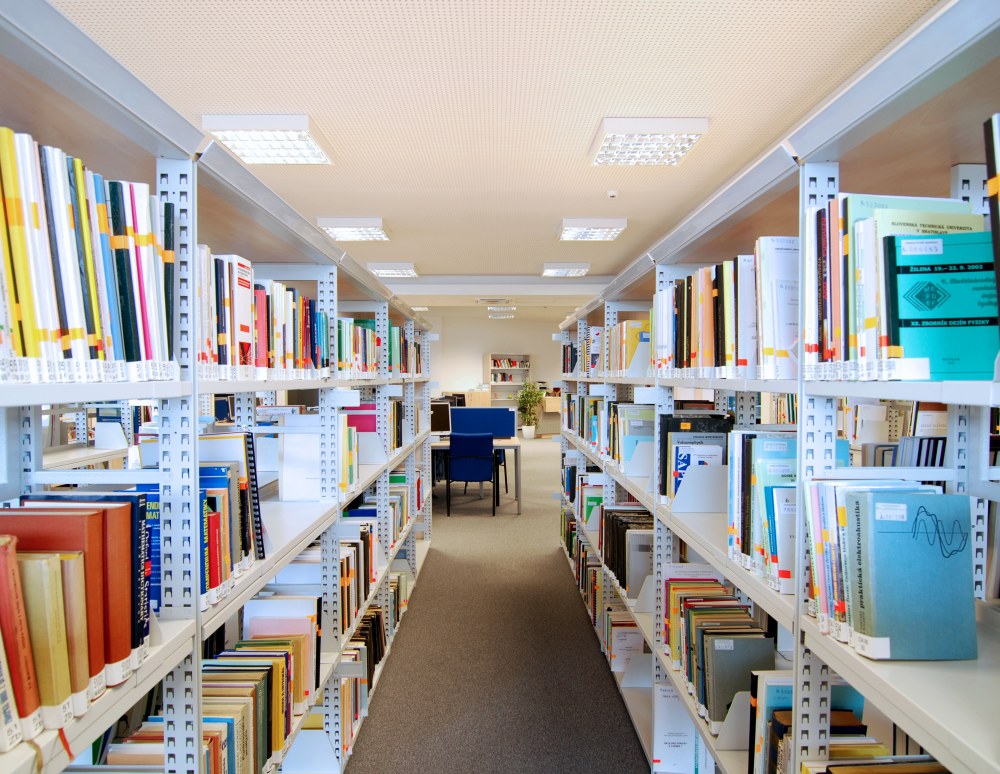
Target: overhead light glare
x,y
592,229
492,301
354,229
503,308
392,270
641,142
501,315
266,139
420,308
565,269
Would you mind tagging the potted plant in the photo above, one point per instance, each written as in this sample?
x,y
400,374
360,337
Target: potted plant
x,y
529,397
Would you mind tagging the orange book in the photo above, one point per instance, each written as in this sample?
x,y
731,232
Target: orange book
x,y
44,530
14,632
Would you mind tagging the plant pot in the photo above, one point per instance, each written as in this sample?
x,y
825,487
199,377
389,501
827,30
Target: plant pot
x,y
528,431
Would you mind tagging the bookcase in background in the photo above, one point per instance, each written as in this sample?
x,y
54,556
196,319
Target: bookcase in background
x,y
506,372
934,88
67,92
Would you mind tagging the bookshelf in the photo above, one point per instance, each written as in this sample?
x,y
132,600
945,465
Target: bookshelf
x,y
506,372
67,92
897,128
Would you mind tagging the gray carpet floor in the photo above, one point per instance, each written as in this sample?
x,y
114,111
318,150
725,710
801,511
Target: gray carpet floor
x,y
496,667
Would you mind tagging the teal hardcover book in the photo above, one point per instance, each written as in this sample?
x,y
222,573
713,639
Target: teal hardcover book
x,y
915,577
942,299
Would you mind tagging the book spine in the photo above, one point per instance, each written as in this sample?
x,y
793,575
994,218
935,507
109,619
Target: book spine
x,y
256,522
43,607
123,272
74,588
88,276
991,130
14,634
10,727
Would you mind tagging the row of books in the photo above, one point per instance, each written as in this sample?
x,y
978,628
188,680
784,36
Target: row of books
x,y
898,287
891,568
75,601
712,639
570,356
509,362
505,378
87,271
626,348
738,317
626,544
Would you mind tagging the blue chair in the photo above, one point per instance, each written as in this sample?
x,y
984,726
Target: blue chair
x,y
471,458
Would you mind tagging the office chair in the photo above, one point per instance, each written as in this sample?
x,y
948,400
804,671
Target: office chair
x,y
471,458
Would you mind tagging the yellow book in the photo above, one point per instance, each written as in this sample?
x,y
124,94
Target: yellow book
x,y
11,344
19,289
41,584
95,335
75,609
220,707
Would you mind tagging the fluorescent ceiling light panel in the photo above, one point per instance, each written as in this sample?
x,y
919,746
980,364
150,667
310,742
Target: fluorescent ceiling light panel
x,y
592,229
266,139
420,308
565,269
501,315
641,142
492,301
392,269
503,308
354,229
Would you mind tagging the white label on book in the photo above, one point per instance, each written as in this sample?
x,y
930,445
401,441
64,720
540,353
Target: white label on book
x,y
872,647
921,246
778,468
775,445
890,512
723,644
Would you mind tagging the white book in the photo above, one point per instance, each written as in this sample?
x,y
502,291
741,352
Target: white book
x,y
746,314
777,281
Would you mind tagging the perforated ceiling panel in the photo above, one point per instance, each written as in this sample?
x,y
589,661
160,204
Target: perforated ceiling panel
x,y
467,125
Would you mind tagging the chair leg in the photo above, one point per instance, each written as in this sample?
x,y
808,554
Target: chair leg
x,y
506,489
448,497
495,493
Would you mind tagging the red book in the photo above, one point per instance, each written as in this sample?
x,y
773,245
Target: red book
x,y
214,550
38,530
14,631
260,326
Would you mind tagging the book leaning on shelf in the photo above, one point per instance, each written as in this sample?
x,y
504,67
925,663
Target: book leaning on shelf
x,y
86,276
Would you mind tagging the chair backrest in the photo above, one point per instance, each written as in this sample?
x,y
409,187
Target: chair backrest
x,y
471,456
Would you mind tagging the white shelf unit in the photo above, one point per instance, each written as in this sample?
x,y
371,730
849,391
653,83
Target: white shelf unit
x,y
66,91
506,365
878,134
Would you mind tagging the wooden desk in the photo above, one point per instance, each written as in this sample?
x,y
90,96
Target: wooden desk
x,y
507,444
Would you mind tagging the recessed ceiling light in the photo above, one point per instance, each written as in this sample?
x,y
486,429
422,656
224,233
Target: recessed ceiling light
x,y
492,300
592,229
266,139
565,269
646,141
354,229
502,316
420,308
392,269
503,308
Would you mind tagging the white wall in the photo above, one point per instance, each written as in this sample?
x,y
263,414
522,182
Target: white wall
x,y
457,357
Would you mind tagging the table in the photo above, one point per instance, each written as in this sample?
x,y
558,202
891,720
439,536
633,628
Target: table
x,y
507,444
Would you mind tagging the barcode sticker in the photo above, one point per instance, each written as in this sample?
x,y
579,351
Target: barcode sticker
x,y
890,512
723,645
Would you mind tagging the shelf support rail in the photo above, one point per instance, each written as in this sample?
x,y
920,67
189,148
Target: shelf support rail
x,y
178,452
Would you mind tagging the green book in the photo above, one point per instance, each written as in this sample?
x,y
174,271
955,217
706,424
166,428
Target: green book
x,y
942,300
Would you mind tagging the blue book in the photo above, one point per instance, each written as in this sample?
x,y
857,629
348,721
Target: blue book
x,y
914,585
942,302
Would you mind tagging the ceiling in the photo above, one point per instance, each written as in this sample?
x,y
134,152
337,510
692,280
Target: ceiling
x,y
467,126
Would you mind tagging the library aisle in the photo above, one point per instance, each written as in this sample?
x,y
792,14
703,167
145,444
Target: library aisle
x,y
496,669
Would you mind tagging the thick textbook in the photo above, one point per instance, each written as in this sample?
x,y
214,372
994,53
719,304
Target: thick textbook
x,y
41,583
942,298
914,579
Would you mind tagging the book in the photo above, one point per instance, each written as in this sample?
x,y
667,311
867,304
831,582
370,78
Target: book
x,y
915,576
729,659
41,584
942,298
991,130
17,643
74,587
